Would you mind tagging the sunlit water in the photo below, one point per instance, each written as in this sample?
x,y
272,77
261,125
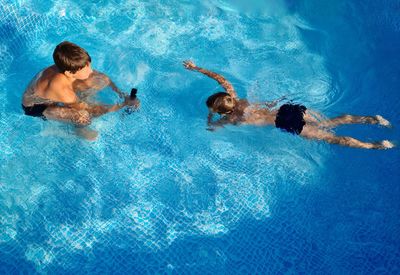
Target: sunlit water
x,y
157,192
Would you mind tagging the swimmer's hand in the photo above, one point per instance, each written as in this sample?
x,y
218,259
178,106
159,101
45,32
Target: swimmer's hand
x,y
133,104
188,64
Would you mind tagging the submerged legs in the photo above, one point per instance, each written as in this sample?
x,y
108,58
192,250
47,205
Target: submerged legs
x,y
65,114
80,118
312,132
318,126
350,119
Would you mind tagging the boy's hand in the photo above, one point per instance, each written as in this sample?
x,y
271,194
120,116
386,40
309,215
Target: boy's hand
x,y
132,104
135,103
188,64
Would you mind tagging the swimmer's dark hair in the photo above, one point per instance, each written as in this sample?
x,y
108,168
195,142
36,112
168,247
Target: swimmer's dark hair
x,y
70,57
221,102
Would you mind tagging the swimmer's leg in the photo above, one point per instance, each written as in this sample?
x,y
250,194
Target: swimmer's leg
x,y
313,117
86,133
312,132
80,118
99,110
350,119
69,115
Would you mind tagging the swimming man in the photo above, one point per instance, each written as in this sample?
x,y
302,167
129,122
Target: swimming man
x,y
293,118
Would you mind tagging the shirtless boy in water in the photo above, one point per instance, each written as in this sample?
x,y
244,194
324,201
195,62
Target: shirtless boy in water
x,y
59,91
293,118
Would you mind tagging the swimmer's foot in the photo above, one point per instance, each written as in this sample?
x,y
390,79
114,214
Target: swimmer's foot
x,y
384,144
86,133
382,121
387,144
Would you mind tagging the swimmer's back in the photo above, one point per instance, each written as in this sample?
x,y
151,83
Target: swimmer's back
x,y
49,86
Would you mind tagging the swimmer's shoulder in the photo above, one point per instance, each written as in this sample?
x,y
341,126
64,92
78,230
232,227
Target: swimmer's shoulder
x,y
55,86
61,90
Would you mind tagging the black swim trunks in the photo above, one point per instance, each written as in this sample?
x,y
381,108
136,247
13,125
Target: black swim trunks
x,y
35,110
290,118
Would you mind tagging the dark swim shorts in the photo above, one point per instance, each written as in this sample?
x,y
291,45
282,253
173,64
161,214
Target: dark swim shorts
x,y
290,118
35,110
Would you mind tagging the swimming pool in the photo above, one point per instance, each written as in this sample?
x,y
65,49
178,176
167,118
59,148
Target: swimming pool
x,y
157,193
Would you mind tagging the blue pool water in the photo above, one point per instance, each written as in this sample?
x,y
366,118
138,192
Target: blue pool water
x,y
157,193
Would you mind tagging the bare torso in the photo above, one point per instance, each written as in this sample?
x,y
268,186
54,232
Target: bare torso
x,y
252,114
42,84
39,90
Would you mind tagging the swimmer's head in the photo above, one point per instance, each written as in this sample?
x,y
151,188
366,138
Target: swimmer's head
x,y
72,60
221,103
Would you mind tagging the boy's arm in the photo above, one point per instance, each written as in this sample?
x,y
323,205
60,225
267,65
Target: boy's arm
x,y
110,83
100,109
221,80
116,89
96,81
68,98
212,125
65,95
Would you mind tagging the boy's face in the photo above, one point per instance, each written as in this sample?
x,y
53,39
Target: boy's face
x,y
226,107
83,73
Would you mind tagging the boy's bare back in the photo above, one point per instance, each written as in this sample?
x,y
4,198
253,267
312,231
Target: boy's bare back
x,y
54,86
292,118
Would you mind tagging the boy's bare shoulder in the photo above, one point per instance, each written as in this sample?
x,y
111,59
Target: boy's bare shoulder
x,y
58,81
56,84
59,88
51,79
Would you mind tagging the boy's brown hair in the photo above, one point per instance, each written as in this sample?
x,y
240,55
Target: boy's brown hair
x,y
221,103
70,57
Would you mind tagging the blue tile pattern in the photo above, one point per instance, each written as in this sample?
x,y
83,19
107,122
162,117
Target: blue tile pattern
x,y
157,193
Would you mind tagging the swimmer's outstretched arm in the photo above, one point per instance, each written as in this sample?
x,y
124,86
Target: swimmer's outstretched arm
x,y
221,80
